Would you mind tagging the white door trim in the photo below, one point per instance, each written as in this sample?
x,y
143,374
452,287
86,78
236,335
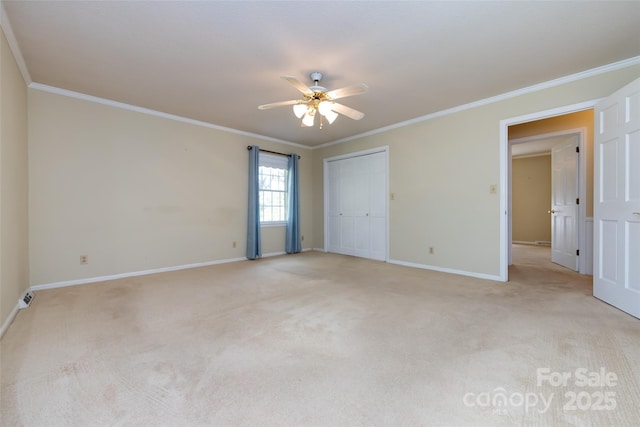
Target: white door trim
x,y
583,262
505,166
325,180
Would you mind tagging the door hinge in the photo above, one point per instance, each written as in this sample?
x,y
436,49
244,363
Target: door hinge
x,y
578,201
577,149
577,252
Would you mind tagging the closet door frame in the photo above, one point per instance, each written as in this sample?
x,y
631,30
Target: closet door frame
x,y
326,161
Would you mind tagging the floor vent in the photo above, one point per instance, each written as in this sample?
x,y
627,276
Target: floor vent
x,y
25,301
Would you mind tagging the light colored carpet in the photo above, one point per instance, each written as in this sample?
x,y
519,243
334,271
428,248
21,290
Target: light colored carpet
x,y
321,340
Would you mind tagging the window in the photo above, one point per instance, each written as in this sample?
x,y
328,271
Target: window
x,y
273,189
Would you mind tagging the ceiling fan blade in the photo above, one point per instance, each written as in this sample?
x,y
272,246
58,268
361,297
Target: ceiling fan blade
x,y
299,85
278,104
347,111
348,91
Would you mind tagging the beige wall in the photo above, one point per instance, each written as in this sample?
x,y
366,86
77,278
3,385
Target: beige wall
x,y
441,170
136,192
531,198
578,120
14,264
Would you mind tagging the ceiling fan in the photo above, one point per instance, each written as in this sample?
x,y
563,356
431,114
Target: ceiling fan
x,y
318,99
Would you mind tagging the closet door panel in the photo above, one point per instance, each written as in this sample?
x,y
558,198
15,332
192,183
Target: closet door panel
x,y
378,205
378,185
378,238
333,243
362,237
347,236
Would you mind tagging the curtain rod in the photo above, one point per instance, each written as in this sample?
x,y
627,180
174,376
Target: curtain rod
x,y
249,147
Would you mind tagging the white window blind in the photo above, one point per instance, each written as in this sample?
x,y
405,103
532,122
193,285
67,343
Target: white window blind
x,y
273,188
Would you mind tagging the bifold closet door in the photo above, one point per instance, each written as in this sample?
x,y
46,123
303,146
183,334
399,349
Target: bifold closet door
x,y
357,206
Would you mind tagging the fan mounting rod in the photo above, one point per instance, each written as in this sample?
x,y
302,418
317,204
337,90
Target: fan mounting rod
x,y
316,76
319,92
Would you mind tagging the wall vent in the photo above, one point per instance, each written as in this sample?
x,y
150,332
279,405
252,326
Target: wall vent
x,y
25,301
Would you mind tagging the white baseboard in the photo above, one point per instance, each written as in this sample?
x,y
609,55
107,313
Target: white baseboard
x,y
270,254
447,270
8,320
131,274
144,272
434,268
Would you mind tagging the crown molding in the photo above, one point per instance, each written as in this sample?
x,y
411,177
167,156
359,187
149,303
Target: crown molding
x,y
630,62
13,44
148,111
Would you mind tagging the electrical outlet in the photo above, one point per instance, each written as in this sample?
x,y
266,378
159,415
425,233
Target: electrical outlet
x,y
432,250
234,244
84,259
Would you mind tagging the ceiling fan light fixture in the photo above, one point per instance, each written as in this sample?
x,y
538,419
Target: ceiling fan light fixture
x,y
309,118
318,101
324,107
299,110
331,116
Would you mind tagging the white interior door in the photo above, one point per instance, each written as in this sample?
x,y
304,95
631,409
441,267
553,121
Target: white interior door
x,y
616,210
564,203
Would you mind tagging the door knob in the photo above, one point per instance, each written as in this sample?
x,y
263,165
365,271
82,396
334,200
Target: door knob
x,y
551,211
636,213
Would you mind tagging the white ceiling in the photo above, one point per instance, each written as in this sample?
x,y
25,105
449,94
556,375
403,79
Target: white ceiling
x,y
536,147
216,61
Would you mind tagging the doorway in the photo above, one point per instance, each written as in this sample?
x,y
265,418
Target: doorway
x,y
548,185
534,128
